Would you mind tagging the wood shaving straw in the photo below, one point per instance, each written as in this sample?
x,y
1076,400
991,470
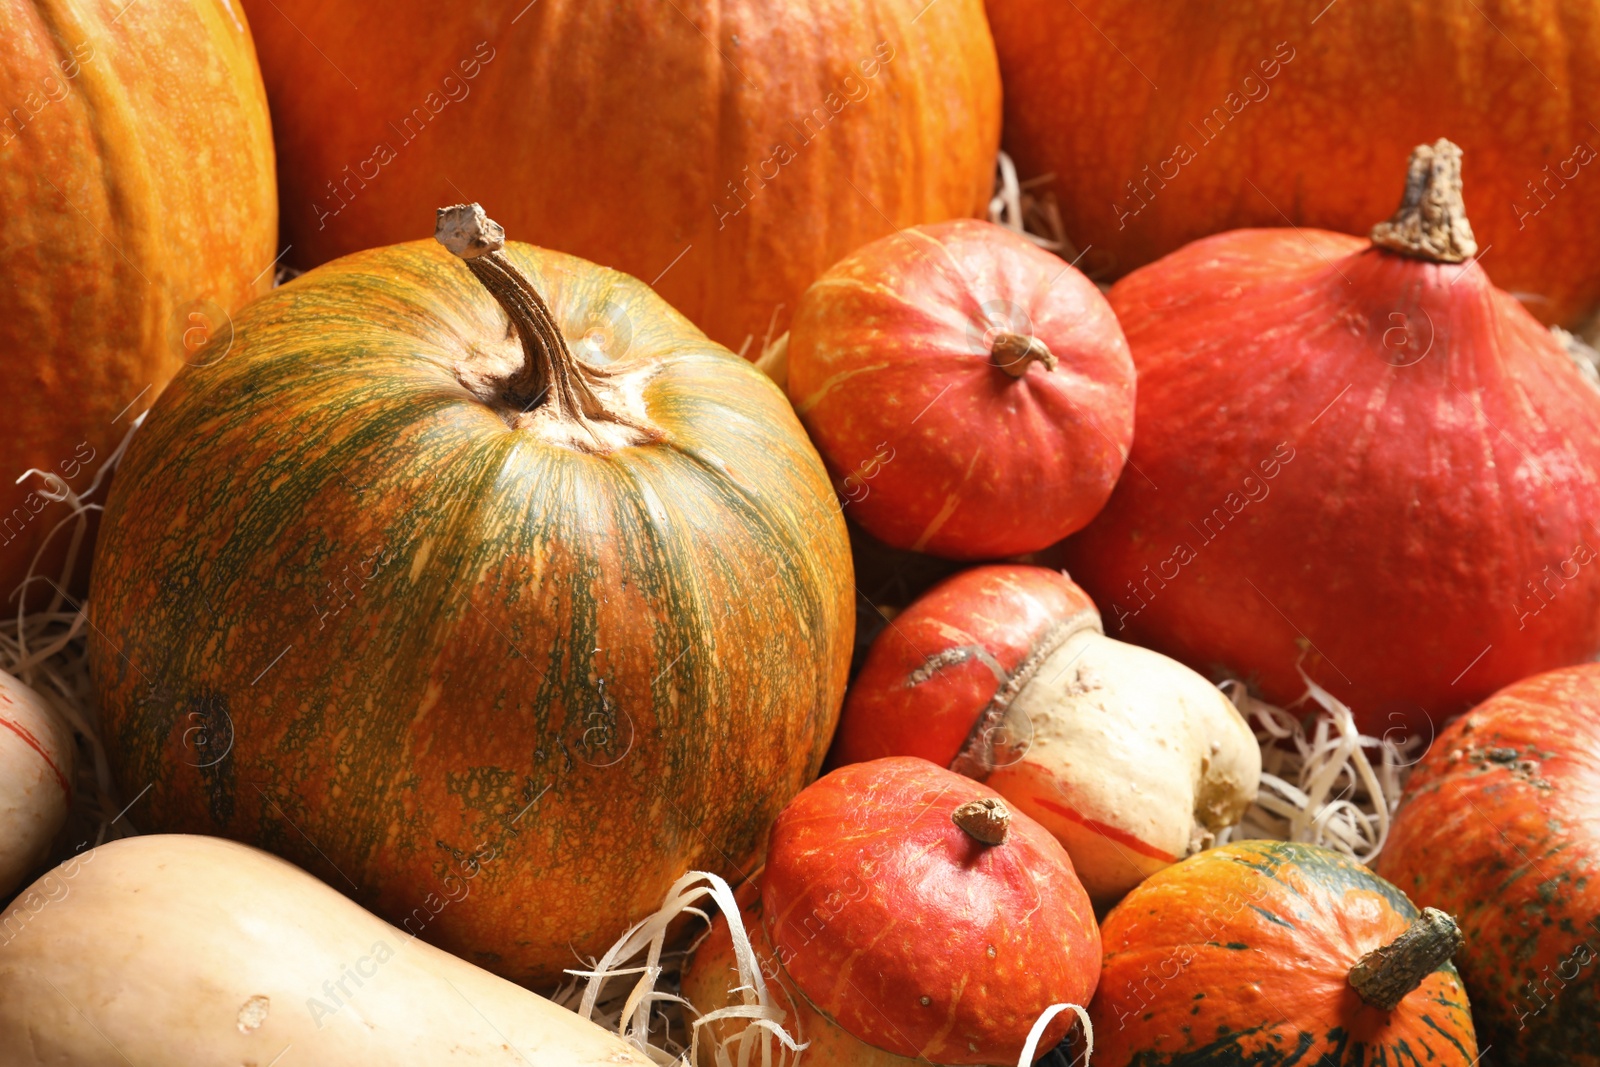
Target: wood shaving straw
x,y
47,651
1318,783
1017,207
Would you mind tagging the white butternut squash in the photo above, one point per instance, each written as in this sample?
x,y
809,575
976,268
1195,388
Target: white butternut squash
x,y
197,952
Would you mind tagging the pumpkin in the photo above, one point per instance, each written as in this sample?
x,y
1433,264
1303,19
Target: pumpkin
x,y
1004,673
35,780
727,152
1497,824
971,393
1397,495
1274,952
400,581
137,210
910,916
190,951
1161,126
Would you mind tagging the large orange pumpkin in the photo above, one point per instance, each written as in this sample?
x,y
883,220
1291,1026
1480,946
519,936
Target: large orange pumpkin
x,y
1162,123
137,210
726,152
498,639
1500,824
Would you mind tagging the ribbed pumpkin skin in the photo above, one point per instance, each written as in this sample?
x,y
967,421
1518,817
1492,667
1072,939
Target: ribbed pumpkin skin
x,y
1096,92
344,612
1240,955
913,936
132,193
1500,825
935,447
1376,467
651,110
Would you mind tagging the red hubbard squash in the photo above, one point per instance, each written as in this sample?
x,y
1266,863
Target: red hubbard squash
x,y
1500,823
1162,124
137,210
910,917
1272,952
397,583
727,152
971,393
1004,673
1359,457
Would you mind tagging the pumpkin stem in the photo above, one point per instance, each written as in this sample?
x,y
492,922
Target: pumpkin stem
x,y
1014,353
1431,222
1387,974
550,376
987,820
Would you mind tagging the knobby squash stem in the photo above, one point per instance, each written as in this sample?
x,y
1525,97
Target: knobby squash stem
x,y
1431,222
1387,974
986,820
550,373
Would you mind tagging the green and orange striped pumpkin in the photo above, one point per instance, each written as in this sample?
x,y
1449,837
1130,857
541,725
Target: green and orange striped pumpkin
x,y
499,629
1246,954
1500,824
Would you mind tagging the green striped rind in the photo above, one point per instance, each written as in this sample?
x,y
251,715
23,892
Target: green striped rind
x,y
553,681
1238,956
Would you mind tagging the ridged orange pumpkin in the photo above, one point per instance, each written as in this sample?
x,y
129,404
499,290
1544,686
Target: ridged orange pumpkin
x,y
1271,952
499,628
1165,123
726,152
1500,825
137,210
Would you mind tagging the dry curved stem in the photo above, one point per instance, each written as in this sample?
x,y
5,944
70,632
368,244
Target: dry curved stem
x,y
1431,222
550,375
1388,974
1015,354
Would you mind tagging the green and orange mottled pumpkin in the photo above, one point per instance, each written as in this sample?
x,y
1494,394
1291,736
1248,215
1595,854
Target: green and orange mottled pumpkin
x,y
1277,954
1500,824
499,629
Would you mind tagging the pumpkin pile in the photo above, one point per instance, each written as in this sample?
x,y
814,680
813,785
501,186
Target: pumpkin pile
x,y
772,567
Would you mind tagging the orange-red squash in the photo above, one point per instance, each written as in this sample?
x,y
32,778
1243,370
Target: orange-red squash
x,y
908,916
498,627
1359,457
1500,825
137,210
971,393
1164,123
726,152
1266,952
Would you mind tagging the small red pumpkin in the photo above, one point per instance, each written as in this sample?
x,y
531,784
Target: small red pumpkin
x,y
915,918
1272,952
1500,825
971,393
1004,673
1359,457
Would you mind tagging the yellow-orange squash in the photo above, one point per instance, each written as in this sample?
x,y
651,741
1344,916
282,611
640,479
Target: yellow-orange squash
x,y
137,210
499,628
1163,123
726,151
